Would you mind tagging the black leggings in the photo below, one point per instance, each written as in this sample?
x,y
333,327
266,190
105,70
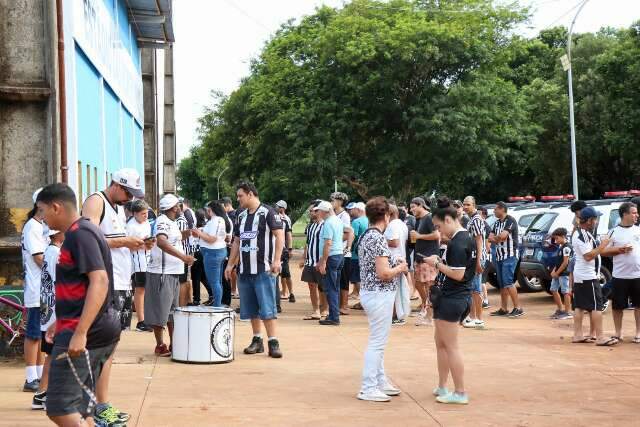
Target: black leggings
x,y
197,277
226,284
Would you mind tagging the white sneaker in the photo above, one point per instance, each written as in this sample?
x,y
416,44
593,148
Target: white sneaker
x,y
479,324
423,320
469,323
374,396
389,389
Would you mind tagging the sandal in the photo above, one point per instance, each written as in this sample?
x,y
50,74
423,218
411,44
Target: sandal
x,y
591,339
583,340
608,343
344,313
357,306
312,317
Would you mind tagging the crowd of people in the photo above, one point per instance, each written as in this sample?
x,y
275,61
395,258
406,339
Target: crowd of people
x,y
87,271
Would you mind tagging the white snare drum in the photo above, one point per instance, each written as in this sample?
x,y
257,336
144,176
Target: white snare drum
x,y
203,334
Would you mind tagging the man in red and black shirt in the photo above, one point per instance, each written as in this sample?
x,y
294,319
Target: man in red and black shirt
x,y
86,321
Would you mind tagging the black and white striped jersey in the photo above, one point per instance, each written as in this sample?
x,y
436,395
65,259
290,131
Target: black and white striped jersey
x,y
183,225
509,247
312,232
476,227
257,241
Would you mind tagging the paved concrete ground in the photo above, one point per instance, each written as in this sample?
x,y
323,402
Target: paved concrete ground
x,y
519,372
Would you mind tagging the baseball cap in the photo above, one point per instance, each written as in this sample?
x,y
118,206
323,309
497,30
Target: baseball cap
x,y
360,206
35,195
130,179
457,204
588,213
168,201
350,206
281,204
323,206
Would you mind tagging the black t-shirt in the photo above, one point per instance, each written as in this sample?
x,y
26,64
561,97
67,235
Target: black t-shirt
x,y
564,251
460,254
84,250
464,220
426,247
411,222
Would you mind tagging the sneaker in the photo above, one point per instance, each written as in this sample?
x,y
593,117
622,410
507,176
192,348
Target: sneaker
x,y
256,346
235,296
31,386
162,350
292,298
374,396
485,304
39,400
565,315
422,319
398,322
479,324
110,416
142,327
499,312
274,349
454,398
555,314
440,391
516,312
327,322
389,389
469,323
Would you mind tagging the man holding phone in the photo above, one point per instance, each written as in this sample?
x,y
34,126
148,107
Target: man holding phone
x,y
624,247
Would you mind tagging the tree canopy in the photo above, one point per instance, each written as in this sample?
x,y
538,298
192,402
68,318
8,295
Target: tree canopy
x,y
404,97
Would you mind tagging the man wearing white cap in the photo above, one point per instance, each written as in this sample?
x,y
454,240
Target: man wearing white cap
x,y
331,260
34,243
165,267
285,273
106,210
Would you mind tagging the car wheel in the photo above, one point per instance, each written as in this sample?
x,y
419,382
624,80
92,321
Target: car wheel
x,y
531,283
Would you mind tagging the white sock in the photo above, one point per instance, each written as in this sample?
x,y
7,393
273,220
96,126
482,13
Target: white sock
x,y
31,373
272,338
39,369
258,335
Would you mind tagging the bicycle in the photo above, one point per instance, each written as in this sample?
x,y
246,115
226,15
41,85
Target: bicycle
x,y
12,316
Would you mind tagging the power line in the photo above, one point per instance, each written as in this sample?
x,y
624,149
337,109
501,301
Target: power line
x,y
246,15
563,15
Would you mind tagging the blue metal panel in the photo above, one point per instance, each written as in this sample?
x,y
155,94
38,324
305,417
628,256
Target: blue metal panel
x,y
123,24
127,140
113,128
137,130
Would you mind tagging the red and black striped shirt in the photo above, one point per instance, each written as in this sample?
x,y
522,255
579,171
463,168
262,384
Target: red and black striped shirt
x,y
84,250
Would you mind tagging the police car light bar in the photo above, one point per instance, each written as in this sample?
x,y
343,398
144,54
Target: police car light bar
x,y
521,199
614,194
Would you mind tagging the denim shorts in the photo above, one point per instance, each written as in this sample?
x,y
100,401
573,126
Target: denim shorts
x,y
506,271
477,281
561,283
257,296
32,327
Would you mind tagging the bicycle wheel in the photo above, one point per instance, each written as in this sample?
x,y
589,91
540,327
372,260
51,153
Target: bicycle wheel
x,y
10,315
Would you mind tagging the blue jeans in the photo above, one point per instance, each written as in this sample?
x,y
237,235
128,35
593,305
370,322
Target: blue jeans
x,y
213,259
331,282
257,296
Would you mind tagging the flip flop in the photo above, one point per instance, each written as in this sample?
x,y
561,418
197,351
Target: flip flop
x,y
344,313
584,340
608,343
356,306
311,317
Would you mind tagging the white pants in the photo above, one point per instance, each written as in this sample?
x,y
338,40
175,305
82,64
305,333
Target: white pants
x,y
379,309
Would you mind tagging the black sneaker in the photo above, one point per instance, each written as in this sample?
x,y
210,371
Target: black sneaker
x,y
499,312
327,322
279,309
292,298
31,386
516,312
39,400
274,349
256,346
142,327
193,304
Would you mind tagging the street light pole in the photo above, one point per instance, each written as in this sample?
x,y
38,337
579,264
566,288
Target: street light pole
x,y
574,165
218,185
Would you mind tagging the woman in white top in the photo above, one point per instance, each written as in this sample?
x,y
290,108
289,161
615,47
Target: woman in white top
x,y
213,247
139,226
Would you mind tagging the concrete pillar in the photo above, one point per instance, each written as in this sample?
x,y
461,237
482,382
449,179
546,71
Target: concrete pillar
x,y
169,145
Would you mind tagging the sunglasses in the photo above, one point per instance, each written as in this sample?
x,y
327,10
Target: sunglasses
x,y
127,192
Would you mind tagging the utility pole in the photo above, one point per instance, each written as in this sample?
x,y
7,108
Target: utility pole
x,y
566,63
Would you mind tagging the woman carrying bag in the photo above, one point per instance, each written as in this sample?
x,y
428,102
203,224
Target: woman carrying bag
x,y
378,275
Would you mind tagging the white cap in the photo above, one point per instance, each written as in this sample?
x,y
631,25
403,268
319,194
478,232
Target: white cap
x,y
130,179
361,206
281,204
168,201
35,195
323,206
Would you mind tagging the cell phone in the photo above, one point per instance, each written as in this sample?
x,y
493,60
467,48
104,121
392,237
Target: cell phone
x,y
146,239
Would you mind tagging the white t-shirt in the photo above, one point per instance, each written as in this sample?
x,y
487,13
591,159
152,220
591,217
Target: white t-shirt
x,y
397,230
34,242
626,266
162,262
48,287
140,257
215,227
583,242
345,218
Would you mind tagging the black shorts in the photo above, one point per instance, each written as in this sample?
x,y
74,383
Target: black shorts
x,y
345,274
285,273
354,273
139,279
64,394
183,278
452,309
623,289
587,296
45,347
311,275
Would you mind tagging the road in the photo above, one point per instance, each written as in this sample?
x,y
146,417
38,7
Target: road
x,y
519,372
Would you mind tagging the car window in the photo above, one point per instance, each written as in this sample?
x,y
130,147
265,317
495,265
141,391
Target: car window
x,y
614,218
491,220
542,222
526,220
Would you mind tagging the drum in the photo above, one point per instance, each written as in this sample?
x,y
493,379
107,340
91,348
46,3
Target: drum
x,y
203,334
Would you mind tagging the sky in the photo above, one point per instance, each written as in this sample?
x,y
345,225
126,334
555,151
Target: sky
x,y
216,39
